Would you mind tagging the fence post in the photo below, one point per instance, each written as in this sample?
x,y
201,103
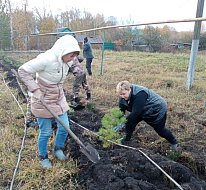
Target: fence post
x,y
195,44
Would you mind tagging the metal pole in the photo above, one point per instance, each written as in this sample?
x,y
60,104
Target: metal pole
x,y
101,70
195,44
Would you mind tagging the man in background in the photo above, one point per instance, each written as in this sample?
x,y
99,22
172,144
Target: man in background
x,y
88,55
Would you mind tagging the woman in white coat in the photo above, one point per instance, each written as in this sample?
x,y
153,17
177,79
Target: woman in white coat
x,y
50,69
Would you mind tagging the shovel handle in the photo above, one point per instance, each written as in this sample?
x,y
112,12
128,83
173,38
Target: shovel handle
x,y
63,124
91,153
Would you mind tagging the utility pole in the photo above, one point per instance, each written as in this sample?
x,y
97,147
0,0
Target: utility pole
x,y
195,44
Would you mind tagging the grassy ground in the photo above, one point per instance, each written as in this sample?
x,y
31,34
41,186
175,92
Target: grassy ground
x,y
163,72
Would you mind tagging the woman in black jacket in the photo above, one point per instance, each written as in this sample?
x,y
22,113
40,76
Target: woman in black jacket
x,y
144,104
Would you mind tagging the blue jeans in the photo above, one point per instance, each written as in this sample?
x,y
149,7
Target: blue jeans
x,y
45,132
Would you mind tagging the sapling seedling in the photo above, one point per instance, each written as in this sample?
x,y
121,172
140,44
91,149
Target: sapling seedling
x,y
107,132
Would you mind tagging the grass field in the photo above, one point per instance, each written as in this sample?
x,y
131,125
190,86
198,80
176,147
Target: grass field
x,y
165,73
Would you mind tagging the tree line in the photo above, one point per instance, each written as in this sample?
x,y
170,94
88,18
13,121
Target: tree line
x,y
17,24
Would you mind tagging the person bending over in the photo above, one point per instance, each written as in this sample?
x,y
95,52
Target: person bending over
x,y
143,104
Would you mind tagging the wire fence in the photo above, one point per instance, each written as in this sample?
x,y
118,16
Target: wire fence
x,y
44,41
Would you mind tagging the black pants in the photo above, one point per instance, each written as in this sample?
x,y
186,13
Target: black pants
x,y
159,127
89,65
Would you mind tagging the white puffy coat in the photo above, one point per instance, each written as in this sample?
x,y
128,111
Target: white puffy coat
x,y
50,73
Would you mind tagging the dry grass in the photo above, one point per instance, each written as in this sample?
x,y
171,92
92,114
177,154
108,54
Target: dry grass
x,y
162,72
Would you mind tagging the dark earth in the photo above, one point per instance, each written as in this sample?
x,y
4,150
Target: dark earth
x,y
122,168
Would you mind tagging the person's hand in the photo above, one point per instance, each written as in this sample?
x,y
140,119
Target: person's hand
x,y
37,94
80,58
119,127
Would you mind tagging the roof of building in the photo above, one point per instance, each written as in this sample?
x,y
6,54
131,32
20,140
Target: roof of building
x,y
64,29
79,37
91,39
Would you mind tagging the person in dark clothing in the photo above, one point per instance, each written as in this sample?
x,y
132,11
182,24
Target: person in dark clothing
x,y
144,104
88,55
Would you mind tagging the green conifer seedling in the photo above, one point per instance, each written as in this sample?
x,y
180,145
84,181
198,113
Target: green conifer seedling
x,y
113,118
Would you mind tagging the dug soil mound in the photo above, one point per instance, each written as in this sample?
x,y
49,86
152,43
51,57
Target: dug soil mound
x,y
124,168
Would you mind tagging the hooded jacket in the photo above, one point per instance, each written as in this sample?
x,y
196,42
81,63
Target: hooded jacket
x,y
87,51
50,72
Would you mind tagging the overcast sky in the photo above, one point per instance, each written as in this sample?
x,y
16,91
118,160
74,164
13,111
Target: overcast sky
x,y
137,11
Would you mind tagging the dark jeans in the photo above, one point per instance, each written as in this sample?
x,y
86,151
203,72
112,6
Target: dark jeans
x,y
159,127
89,65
